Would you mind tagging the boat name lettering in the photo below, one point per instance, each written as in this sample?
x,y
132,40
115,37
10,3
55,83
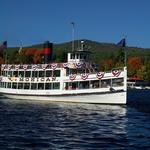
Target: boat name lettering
x,y
27,79
21,79
37,79
32,79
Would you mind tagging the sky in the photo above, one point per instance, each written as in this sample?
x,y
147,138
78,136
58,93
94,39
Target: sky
x,y
28,22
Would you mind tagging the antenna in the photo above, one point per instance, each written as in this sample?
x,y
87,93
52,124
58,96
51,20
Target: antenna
x,y
73,25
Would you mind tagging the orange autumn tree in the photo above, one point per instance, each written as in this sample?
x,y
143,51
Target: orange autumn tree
x,y
1,60
135,64
30,55
37,57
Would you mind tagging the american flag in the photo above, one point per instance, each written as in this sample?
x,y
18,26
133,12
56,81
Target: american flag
x,y
3,46
122,43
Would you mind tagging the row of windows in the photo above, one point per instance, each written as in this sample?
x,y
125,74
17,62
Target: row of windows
x,y
33,86
67,85
94,84
48,73
79,71
79,56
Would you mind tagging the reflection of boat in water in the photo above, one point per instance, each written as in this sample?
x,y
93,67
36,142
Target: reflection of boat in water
x,y
76,80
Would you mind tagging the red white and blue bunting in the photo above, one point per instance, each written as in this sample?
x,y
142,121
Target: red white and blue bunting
x,y
84,76
78,65
3,67
17,67
34,67
44,66
116,73
54,66
65,65
84,65
9,67
74,65
25,67
100,75
72,76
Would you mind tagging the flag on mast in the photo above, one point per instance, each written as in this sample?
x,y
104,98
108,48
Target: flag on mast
x,y
122,43
3,46
73,25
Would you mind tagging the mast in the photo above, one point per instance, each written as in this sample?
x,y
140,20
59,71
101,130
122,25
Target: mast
x,y
125,51
73,26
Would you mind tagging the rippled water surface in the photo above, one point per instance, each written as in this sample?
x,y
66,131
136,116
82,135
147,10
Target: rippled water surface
x,y
36,125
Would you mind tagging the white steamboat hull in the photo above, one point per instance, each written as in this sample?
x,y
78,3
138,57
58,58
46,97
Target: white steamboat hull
x,y
95,95
106,98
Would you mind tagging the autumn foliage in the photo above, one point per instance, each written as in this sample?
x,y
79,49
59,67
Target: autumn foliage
x,y
135,64
31,56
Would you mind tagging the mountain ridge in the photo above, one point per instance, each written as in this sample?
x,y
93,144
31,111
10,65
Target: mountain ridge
x,y
98,49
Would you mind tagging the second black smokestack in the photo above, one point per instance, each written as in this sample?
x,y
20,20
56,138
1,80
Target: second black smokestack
x,y
48,48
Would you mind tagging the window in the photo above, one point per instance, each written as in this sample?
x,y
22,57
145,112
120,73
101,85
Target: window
x,y
41,73
9,85
48,86
94,84
27,73
74,85
72,56
41,86
105,83
56,85
81,71
5,73
5,84
20,85
48,73
84,85
34,74
2,84
9,73
56,73
21,74
14,85
2,73
27,86
15,73
33,86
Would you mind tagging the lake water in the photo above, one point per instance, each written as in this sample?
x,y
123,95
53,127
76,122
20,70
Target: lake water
x,y
36,125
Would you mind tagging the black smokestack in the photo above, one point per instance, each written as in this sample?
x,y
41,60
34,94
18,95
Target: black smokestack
x,y
48,47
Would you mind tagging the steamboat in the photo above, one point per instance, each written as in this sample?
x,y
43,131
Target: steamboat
x,y
76,80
